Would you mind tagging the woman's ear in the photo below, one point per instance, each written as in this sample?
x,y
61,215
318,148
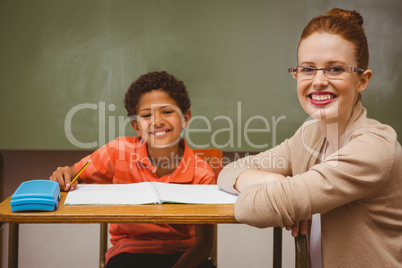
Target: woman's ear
x,y
364,80
186,118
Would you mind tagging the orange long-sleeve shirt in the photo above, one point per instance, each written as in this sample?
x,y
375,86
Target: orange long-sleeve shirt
x,y
125,160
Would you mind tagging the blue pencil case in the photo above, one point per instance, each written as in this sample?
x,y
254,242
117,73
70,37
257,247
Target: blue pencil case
x,y
36,195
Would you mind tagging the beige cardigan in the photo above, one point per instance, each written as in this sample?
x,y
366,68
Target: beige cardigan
x,y
358,191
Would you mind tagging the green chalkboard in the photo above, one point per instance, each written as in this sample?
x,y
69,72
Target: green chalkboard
x,y
65,66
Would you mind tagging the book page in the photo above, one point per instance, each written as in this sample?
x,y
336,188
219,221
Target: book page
x,y
193,193
112,194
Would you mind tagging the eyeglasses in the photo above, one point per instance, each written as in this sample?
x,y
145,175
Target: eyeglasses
x,y
330,72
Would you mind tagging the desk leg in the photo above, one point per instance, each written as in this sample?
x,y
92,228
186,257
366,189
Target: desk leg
x,y
277,247
103,244
13,245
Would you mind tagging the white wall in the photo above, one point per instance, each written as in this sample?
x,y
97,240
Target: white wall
x,y
77,245
242,246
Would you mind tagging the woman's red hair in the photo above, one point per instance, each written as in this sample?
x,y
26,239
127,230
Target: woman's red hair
x,y
346,24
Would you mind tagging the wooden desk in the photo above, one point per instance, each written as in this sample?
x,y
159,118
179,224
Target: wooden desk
x,y
166,213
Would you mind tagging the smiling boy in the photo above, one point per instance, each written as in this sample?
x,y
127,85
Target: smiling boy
x,y
159,108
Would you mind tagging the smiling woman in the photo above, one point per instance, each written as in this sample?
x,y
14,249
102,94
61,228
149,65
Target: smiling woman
x,y
340,168
324,96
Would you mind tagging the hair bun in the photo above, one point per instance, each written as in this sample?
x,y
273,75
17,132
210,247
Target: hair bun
x,y
352,16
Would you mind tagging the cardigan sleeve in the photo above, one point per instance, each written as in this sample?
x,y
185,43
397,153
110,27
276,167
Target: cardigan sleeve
x,y
275,160
357,171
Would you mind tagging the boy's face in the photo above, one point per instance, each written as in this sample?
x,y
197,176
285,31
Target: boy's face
x,y
159,119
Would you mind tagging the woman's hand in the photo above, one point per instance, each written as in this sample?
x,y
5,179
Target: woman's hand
x,y
300,226
64,175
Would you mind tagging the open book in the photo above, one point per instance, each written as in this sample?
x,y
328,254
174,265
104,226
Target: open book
x,y
148,193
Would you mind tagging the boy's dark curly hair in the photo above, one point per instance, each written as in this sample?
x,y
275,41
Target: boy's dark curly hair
x,y
156,80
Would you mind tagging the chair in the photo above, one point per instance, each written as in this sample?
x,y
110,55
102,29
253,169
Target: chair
x,y
302,252
214,158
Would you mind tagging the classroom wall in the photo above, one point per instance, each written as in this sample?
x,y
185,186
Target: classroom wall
x,y
65,66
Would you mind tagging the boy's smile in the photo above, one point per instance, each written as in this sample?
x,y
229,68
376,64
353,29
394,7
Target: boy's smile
x,y
159,133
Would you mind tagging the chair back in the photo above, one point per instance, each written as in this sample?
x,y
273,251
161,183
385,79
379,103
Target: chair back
x,y
302,252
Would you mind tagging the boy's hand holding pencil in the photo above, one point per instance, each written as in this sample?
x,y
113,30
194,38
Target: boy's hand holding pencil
x,y
67,177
